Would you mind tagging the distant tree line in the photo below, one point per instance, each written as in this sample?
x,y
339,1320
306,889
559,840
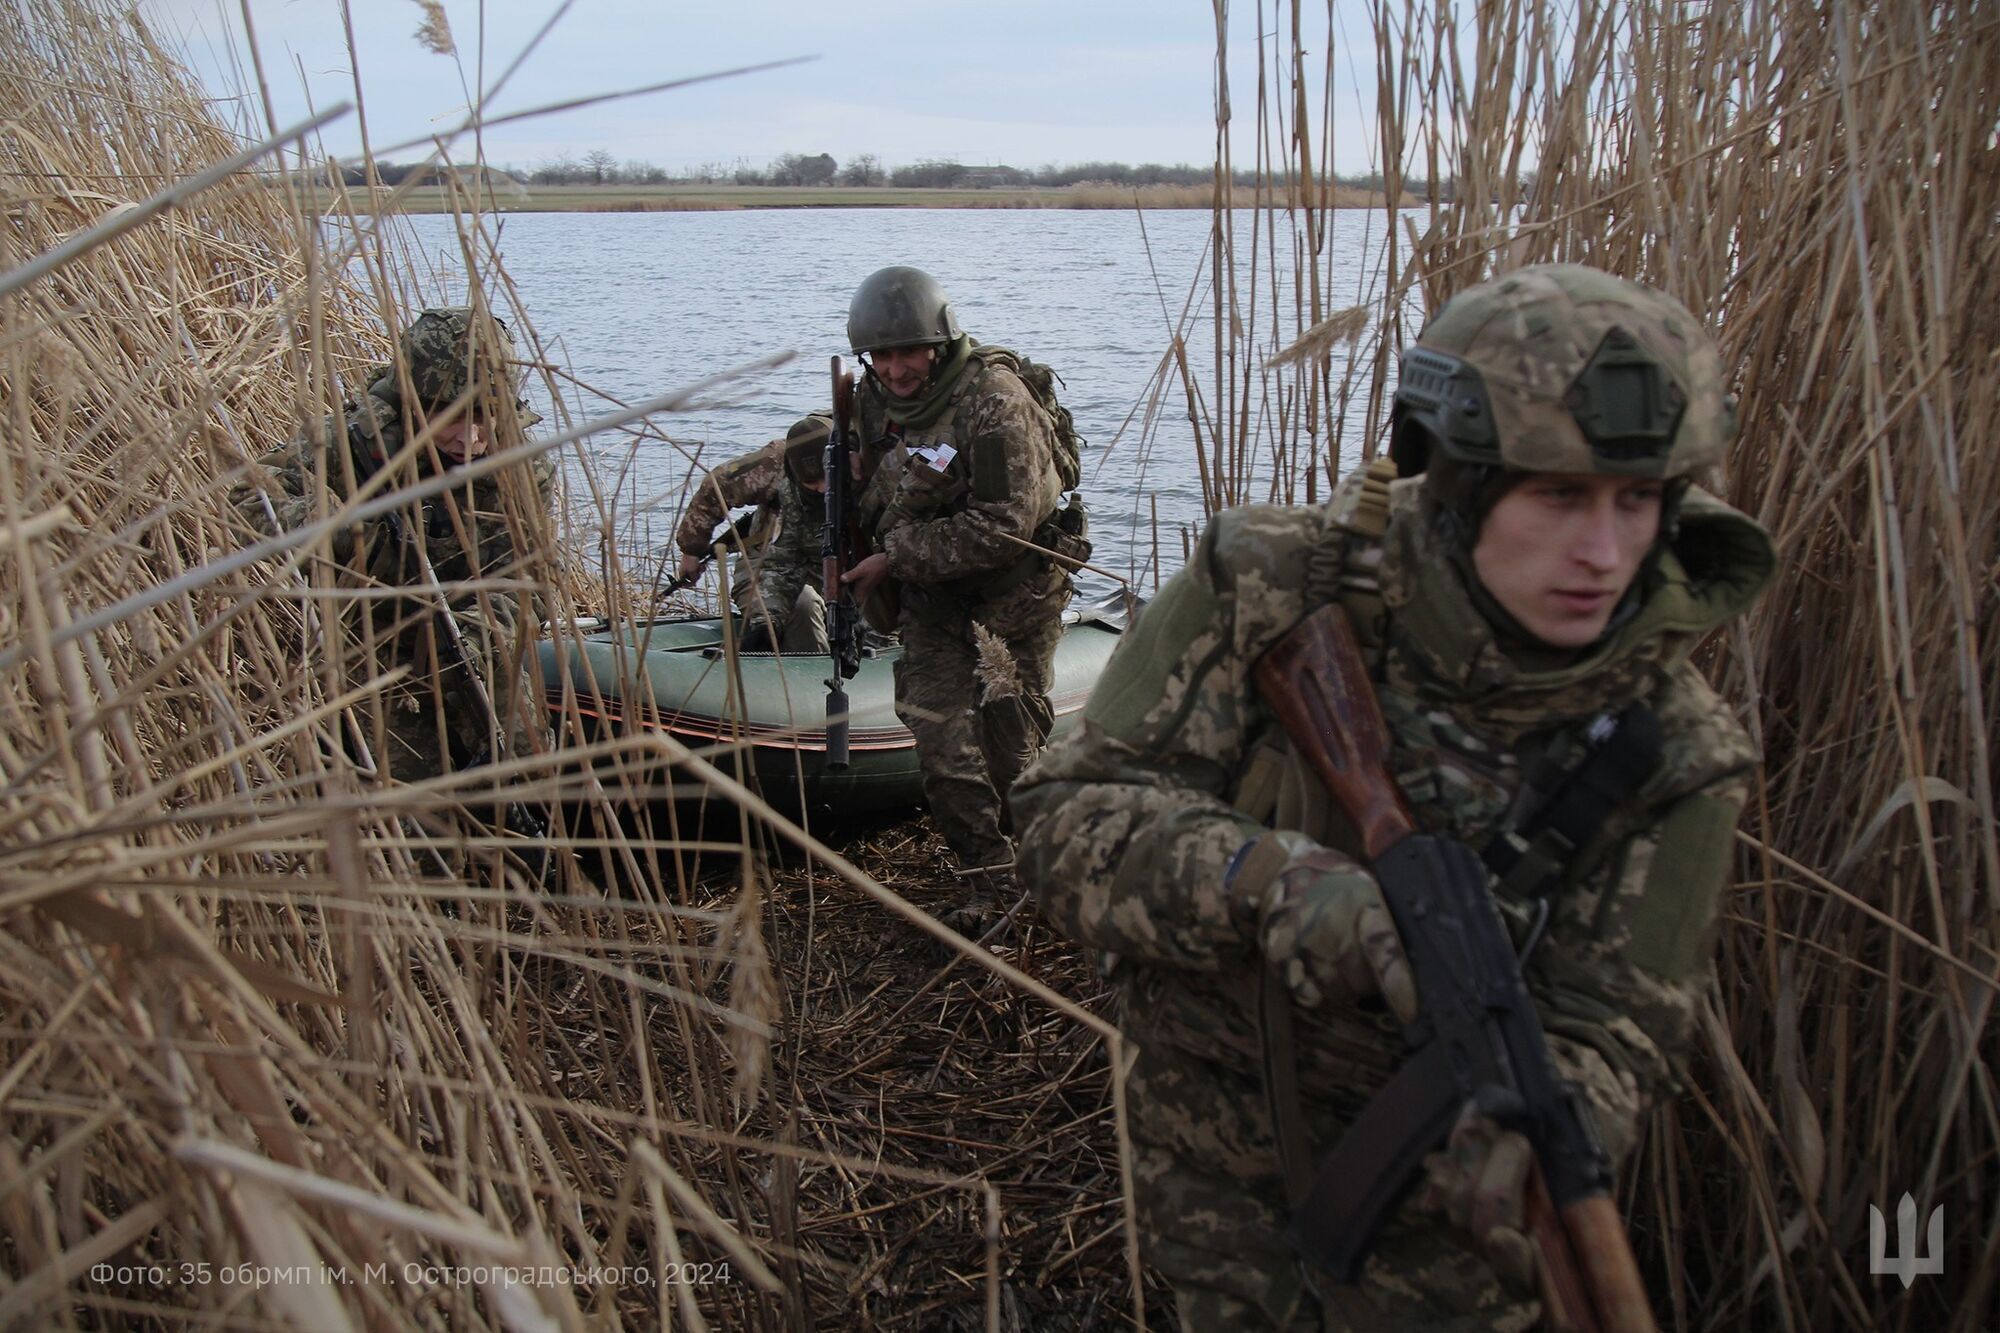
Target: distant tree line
x,y
599,167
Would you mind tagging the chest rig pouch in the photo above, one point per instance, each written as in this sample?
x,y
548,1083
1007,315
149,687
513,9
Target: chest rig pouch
x,y
1563,806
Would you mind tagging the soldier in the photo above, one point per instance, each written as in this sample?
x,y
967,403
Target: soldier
x,y
1552,563
972,474
775,585
451,398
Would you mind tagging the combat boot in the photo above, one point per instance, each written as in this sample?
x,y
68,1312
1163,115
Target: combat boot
x,y
992,895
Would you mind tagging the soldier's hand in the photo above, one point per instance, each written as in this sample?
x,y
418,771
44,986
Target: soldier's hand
x,y
1322,923
690,566
1479,1184
865,575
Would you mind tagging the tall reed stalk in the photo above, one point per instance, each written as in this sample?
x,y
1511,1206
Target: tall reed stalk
x,y
285,1043
1822,183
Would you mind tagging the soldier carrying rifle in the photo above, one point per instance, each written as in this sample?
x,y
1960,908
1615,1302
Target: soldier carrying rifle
x,y
974,455
1393,1043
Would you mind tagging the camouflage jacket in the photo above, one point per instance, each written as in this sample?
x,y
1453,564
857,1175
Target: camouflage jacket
x,y
748,479
469,533
792,558
983,472
1132,820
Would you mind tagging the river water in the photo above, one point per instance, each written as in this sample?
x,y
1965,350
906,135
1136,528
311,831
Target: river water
x,y
636,304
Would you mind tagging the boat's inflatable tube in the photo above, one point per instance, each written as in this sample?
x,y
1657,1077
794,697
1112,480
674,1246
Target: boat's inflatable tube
x,y
672,676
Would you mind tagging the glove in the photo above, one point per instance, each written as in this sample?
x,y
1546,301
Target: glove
x,y
1321,922
1479,1185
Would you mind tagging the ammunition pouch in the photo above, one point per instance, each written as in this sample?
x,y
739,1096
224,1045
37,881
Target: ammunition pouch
x,y
1069,530
1064,533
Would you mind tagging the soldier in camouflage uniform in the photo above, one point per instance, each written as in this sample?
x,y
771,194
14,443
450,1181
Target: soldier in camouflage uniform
x,y
963,454
775,585
1552,563
453,394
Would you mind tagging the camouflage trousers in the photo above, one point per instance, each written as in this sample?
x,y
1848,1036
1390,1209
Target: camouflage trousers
x,y
975,733
1212,1218
426,741
801,632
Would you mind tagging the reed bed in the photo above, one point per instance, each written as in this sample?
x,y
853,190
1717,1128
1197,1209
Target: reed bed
x,y
264,1009
963,1091
1821,183
287,1044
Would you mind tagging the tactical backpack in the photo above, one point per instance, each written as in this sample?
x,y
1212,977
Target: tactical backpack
x,y
1041,381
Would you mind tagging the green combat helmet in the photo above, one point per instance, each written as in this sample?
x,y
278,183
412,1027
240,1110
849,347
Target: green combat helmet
x,y
445,361
899,307
1562,368
805,448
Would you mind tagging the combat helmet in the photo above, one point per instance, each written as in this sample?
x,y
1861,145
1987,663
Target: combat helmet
x,y
805,448
899,307
1562,368
445,361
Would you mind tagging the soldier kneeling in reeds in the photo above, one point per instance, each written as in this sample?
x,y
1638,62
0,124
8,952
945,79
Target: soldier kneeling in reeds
x,y
450,399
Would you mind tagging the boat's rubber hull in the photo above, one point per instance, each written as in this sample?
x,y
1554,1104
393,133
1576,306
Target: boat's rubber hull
x,y
671,676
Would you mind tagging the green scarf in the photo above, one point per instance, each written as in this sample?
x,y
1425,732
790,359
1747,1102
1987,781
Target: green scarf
x,y
923,411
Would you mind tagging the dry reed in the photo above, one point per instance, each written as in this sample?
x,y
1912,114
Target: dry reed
x,y
266,1036
1822,183
259,1012
288,1044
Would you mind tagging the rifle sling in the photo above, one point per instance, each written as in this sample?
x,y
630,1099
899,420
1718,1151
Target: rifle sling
x,y
1281,1088
1528,856
1362,1176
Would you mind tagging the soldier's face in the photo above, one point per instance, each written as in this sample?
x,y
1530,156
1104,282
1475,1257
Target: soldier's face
x,y
462,440
1560,549
903,370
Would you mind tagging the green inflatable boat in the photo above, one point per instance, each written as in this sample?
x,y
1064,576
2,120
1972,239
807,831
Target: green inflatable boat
x,y
672,676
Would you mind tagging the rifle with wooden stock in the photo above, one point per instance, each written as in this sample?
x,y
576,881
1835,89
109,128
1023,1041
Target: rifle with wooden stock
x,y
838,552
1477,1037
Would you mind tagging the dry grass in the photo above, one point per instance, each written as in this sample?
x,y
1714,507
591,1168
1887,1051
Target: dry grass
x,y
942,1076
264,1006
1822,184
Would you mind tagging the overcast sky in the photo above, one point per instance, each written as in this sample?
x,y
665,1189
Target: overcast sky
x,y
1026,82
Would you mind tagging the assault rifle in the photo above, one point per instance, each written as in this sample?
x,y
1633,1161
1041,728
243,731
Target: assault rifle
x,y
453,655
1477,1038
838,553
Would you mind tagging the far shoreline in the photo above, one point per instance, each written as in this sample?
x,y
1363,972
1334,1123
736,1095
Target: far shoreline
x,y
508,196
